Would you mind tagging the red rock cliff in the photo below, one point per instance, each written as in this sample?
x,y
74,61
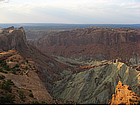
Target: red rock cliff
x,y
99,43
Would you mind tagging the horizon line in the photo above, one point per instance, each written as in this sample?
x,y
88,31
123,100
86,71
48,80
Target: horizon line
x,y
76,23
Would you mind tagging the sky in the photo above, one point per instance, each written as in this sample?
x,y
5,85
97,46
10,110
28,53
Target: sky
x,y
70,11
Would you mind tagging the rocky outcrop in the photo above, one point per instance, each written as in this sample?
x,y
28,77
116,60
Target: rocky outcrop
x,y
98,43
124,96
12,38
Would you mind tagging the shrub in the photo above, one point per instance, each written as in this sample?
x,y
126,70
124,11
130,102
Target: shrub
x,y
2,77
26,68
2,70
15,69
44,103
6,85
27,61
16,66
35,103
21,95
1,62
31,95
4,65
7,99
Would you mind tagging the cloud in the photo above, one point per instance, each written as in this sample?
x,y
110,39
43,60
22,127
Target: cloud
x,y
4,0
71,11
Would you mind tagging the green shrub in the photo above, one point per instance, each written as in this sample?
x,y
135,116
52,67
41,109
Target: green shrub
x,y
26,68
7,99
21,95
2,70
27,61
16,66
6,85
44,103
2,77
4,65
15,69
35,103
2,62
31,95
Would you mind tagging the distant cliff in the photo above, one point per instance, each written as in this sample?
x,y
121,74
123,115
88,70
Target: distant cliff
x,y
98,43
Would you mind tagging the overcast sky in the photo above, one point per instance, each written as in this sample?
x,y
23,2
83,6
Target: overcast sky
x,y
70,11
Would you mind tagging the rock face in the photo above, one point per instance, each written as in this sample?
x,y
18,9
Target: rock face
x,y
124,96
98,43
12,38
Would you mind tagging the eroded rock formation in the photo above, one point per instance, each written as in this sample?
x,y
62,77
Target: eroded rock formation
x,y
97,84
124,96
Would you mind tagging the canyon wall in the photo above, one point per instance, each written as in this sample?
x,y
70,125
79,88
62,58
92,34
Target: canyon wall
x,y
97,43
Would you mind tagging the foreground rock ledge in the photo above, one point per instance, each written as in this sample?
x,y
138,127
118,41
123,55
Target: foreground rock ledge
x,y
124,96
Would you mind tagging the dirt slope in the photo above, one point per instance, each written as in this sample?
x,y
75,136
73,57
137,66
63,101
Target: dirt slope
x,y
23,74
